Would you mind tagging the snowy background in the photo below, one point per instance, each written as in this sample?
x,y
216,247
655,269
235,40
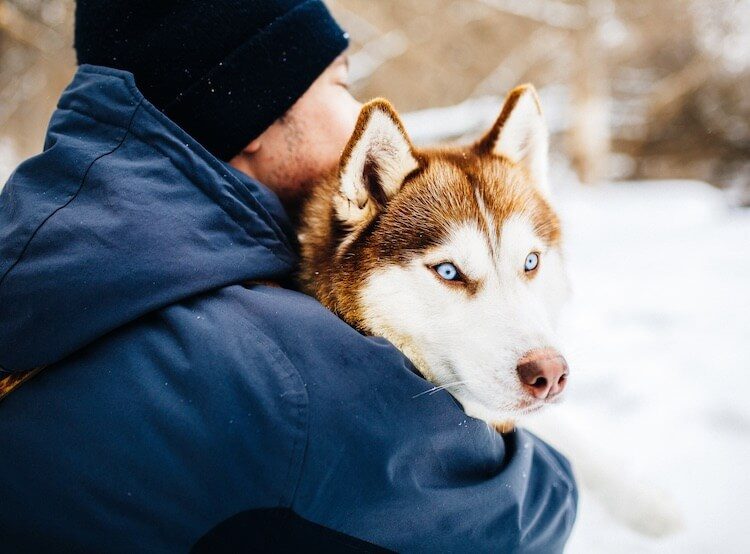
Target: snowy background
x,y
658,336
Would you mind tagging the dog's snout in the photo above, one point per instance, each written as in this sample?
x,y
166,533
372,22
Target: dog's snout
x,y
543,373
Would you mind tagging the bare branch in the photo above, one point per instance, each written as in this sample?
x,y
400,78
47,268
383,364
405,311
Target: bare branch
x,y
375,53
542,44
549,12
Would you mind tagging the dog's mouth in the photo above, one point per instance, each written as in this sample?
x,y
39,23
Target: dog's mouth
x,y
492,412
529,406
526,409
482,406
523,406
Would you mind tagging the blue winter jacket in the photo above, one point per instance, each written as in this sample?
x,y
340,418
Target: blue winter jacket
x,y
182,407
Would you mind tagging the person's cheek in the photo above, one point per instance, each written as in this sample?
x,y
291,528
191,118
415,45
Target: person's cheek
x,y
345,113
350,108
330,123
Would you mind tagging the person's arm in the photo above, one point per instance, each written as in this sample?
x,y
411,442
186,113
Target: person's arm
x,y
414,473
528,506
409,471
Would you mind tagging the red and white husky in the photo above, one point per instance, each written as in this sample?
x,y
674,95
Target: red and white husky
x,y
454,255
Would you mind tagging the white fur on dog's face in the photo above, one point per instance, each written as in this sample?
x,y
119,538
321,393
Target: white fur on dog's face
x,y
471,343
402,212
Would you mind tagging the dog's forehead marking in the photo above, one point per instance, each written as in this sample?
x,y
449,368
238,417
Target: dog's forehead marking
x,y
508,193
500,188
449,191
488,218
479,253
468,247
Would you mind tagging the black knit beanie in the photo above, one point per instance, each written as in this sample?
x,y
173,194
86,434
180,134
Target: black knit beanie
x,y
223,70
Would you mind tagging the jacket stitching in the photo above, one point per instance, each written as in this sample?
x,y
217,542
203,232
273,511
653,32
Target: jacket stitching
x,y
73,197
292,374
98,119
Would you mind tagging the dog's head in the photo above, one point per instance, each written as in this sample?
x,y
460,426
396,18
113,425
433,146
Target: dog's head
x,y
454,255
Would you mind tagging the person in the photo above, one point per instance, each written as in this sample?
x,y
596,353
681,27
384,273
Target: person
x,y
161,394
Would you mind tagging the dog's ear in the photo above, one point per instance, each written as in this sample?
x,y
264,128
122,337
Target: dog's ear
x,y
374,164
520,135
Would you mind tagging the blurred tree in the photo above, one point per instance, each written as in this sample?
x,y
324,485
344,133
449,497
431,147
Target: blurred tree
x,y
36,62
635,89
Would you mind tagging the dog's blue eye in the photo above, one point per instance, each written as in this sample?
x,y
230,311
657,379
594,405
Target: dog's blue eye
x,y
447,271
532,261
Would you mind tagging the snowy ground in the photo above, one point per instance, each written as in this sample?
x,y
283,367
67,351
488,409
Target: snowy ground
x,y
658,335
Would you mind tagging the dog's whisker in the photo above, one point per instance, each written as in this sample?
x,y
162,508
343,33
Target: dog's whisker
x,y
433,390
448,385
491,431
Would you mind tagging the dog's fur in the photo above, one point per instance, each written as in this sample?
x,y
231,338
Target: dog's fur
x,y
373,234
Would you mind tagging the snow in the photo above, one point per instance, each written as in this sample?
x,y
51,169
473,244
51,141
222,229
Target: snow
x,y
658,340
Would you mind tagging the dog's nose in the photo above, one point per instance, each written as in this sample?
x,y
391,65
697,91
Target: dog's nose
x,y
543,373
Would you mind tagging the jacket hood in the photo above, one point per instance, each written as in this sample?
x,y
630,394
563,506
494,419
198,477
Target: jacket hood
x,y
121,214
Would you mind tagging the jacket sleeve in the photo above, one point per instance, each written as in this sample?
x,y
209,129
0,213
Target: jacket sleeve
x,y
412,472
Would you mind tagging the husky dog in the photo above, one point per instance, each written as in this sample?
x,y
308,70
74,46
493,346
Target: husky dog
x,y
452,254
